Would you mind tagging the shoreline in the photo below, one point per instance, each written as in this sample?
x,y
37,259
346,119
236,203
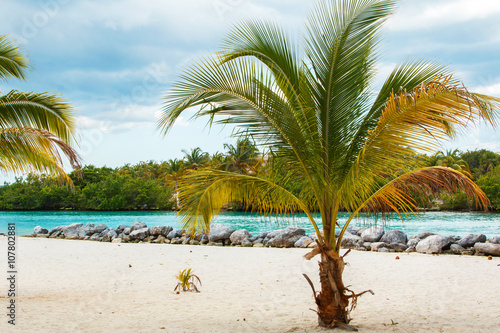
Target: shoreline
x,y
95,286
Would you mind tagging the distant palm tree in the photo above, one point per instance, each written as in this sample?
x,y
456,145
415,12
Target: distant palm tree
x,y
35,128
196,158
175,171
313,105
451,159
242,157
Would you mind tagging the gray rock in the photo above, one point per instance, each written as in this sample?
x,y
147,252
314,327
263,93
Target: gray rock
x,y
238,236
433,244
204,239
350,241
455,239
258,245
383,249
285,237
139,234
303,242
246,243
89,229
353,229
112,234
424,235
219,232
494,240
194,242
138,225
487,248
455,248
159,230
176,240
100,228
375,246
74,231
413,242
394,237
367,245
127,231
372,234
56,232
399,247
160,240
122,227
165,231
125,237
95,237
471,239
177,233
39,231
360,231
116,240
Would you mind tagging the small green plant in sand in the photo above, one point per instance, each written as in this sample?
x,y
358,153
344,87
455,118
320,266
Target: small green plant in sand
x,y
187,281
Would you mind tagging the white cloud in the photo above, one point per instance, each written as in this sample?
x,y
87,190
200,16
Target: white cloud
x,y
428,15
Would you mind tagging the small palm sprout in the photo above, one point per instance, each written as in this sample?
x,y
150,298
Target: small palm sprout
x,y
187,281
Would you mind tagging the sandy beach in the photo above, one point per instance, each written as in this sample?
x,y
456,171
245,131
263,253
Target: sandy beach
x,y
82,286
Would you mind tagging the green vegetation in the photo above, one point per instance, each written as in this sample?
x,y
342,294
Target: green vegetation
x,y
187,281
34,127
311,103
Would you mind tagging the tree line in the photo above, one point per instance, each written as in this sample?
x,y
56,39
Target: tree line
x,y
153,185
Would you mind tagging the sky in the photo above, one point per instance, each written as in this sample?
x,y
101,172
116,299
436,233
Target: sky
x,y
114,60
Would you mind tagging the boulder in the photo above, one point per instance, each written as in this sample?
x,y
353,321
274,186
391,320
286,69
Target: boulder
x,y
138,225
160,240
433,244
89,229
372,234
457,249
424,235
39,231
219,232
139,234
394,237
238,236
246,243
285,237
350,241
100,228
74,231
158,230
56,232
384,249
471,239
353,229
116,240
112,234
127,231
177,233
399,247
413,242
122,227
376,246
176,240
494,240
360,231
487,248
303,241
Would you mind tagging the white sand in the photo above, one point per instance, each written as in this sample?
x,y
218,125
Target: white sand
x,y
81,286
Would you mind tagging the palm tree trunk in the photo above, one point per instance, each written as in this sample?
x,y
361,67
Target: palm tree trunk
x,y
332,300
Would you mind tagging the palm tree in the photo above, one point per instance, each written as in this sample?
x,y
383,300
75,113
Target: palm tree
x,y
34,127
450,159
313,104
175,171
242,157
196,158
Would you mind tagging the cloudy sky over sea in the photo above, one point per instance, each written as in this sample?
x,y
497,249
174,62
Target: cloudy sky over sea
x,y
114,60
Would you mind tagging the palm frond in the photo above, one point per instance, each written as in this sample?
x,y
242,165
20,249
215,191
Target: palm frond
x,y
203,193
35,150
46,111
12,62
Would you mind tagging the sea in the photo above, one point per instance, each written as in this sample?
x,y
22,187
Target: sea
x,y
444,223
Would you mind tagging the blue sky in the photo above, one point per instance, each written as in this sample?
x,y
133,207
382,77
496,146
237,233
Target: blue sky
x,y
114,60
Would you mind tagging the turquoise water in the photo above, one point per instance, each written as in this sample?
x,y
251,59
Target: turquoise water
x,y
445,223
